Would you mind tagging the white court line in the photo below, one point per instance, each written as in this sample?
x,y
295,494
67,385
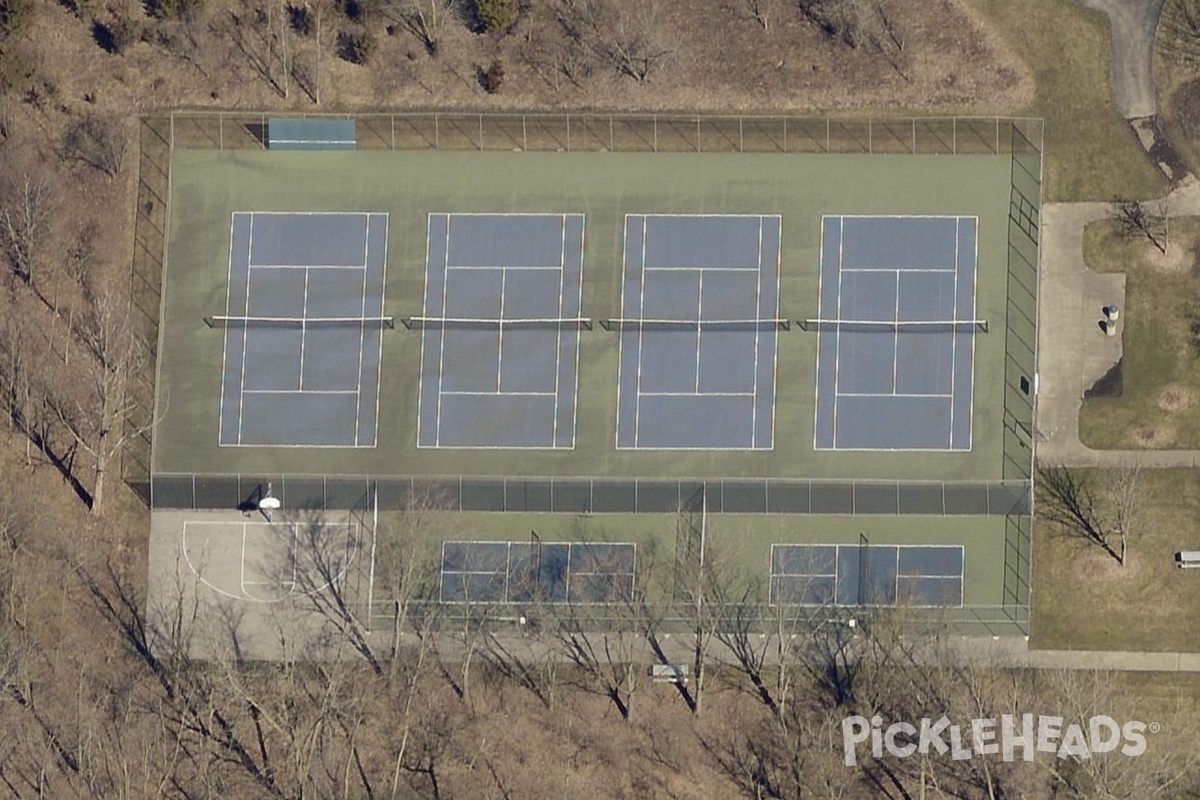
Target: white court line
x,y
699,393
579,310
225,348
425,310
621,335
954,339
974,303
352,267
896,339
899,269
775,334
562,278
301,391
485,267
466,393
303,329
500,332
362,330
379,333
637,408
757,338
837,336
892,394
821,312
699,328
245,334
684,268
306,213
437,437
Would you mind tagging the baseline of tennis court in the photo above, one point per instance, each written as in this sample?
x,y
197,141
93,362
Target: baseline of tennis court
x,y
303,329
499,356
867,574
896,340
698,342
536,571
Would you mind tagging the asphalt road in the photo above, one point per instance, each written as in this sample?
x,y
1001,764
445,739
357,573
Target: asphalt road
x,y
1133,24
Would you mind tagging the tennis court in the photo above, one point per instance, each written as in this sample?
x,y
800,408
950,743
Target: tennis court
x,y
500,331
896,333
550,572
867,574
699,330
303,327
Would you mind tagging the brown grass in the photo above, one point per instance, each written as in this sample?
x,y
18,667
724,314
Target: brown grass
x,y
1084,600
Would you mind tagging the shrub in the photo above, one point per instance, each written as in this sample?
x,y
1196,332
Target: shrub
x,y
493,78
356,47
497,16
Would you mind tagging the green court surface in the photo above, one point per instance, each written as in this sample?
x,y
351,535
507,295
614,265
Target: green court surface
x,y
208,186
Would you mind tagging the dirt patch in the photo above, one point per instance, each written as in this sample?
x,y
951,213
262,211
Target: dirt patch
x,y
1175,398
1178,258
1111,385
1095,564
1150,436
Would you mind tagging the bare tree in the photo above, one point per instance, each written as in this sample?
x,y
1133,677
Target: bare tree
x,y
25,217
424,19
98,141
1069,499
636,43
1100,509
760,11
96,420
1137,218
1124,491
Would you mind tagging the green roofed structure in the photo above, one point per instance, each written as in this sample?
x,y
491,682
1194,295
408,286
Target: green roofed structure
x,y
285,133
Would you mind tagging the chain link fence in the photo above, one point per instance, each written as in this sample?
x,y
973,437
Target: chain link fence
x,y
627,133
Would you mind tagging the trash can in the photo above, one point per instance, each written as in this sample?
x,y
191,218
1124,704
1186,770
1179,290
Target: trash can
x,y
1112,312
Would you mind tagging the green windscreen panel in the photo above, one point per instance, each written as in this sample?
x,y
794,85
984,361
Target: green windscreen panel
x,y
311,134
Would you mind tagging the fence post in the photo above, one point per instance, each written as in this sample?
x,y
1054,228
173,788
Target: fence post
x,y
437,145
524,134
392,117
655,118
611,138
699,149
741,136
914,135
220,131
870,139
568,133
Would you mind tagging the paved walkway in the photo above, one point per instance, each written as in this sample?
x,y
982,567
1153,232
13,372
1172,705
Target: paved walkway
x,y
1133,24
1073,350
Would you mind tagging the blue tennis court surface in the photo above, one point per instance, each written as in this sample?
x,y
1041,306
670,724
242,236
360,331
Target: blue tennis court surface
x,y
896,347
698,339
498,362
848,574
303,338
549,572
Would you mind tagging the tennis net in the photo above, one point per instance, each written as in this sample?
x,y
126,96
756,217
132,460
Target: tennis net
x,y
472,324
692,325
298,323
895,326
